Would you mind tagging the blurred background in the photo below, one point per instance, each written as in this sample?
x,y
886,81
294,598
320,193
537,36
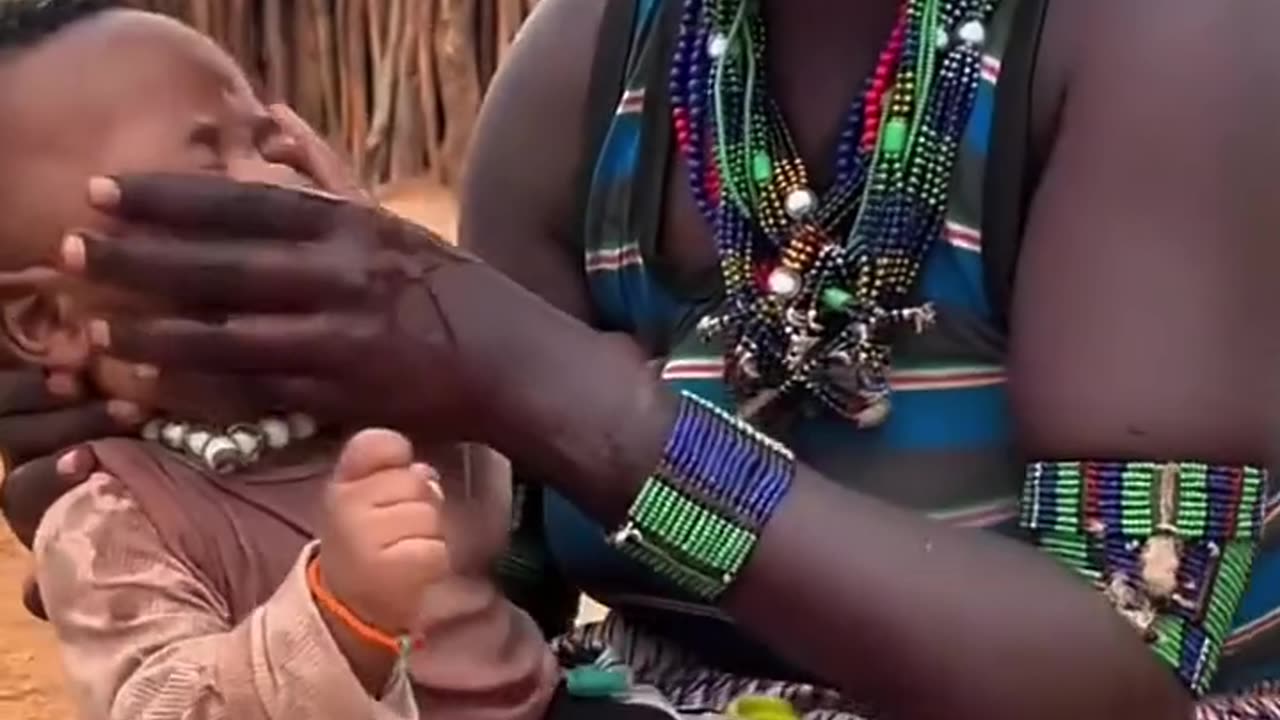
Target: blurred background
x,y
394,83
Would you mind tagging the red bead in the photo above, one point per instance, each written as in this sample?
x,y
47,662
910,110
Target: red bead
x,y
762,275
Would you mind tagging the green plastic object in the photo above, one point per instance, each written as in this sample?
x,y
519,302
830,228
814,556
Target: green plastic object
x,y
836,298
895,136
589,681
761,168
762,707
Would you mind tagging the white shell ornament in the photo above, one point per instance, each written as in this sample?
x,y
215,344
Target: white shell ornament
x,y
717,46
301,426
972,33
275,431
799,203
784,282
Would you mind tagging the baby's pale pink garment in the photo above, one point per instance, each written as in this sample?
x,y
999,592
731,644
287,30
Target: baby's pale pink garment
x,y
179,594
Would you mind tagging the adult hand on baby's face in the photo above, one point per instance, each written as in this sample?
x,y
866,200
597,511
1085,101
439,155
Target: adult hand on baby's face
x,y
334,307
382,542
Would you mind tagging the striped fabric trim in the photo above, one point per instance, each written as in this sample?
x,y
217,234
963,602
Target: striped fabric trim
x,y
958,377
632,102
1246,633
962,236
991,69
982,515
1257,627
612,259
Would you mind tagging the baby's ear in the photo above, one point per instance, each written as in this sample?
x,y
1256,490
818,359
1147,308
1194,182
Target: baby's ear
x,y
41,329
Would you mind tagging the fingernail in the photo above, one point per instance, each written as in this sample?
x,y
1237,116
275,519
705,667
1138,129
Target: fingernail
x,y
73,253
104,193
99,333
124,412
63,385
424,471
146,372
70,463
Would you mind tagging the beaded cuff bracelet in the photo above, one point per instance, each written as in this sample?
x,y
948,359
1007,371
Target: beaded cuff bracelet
x,y
1170,544
697,518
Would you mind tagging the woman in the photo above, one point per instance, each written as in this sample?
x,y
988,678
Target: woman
x,y
903,614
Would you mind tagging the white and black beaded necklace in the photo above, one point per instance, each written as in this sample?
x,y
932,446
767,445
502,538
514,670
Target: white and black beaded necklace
x,y
232,447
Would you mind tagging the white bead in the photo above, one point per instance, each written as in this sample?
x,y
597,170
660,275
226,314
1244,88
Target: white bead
x,y
973,33
276,432
247,438
221,454
717,46
197,439
301,426
151,431
800,202
172,435
784,282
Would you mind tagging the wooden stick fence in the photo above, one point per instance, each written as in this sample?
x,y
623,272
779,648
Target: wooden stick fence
x,y
394,83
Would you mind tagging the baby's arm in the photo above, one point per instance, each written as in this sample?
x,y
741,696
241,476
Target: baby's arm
x,y
143,635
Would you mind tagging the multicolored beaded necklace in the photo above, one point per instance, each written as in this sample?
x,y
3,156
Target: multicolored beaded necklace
x,y
806,314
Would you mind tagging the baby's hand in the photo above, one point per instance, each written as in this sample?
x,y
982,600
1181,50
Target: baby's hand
x,y
382,541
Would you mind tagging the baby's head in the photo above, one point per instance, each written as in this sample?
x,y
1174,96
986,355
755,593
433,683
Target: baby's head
x,y
89,89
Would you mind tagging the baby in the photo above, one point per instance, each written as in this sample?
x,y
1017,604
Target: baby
x,y
185,579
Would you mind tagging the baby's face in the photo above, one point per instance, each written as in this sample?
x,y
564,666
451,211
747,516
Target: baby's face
x,y
123,91
119,92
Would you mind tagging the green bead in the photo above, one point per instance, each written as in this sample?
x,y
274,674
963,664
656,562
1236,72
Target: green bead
x,y
588,681
894,139
760,707
761,168
836,298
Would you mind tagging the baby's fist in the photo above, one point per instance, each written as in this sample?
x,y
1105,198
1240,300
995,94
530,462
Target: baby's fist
x,y
381,542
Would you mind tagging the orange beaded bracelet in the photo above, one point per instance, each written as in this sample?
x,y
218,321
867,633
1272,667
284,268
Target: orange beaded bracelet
x,y
398,646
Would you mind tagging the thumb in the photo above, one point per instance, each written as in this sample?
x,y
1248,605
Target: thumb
x,y
372,451
308,153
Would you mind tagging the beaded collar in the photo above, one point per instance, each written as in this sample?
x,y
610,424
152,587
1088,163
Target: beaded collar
x,y
233,447
808,313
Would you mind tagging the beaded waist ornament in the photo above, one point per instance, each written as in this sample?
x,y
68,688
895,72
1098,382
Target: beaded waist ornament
x,y
1171,545
698,516
816,281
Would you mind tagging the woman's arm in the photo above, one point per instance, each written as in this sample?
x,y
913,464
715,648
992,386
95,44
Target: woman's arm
x,y
143,636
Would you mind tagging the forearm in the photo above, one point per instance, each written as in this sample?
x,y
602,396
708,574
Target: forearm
x,y
934,621
925,606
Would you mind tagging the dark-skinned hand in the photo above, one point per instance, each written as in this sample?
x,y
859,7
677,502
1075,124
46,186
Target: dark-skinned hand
x,y
311,301
293,300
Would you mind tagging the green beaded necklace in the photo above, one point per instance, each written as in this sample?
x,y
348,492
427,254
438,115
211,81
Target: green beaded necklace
x,y
807,312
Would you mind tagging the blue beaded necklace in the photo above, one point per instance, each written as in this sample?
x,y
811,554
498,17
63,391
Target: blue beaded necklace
x,y
808,313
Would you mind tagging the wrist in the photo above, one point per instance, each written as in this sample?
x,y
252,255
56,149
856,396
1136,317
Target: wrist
x,y
371,665
585,412
370,657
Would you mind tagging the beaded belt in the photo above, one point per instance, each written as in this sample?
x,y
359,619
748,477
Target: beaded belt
x,y
1170,544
